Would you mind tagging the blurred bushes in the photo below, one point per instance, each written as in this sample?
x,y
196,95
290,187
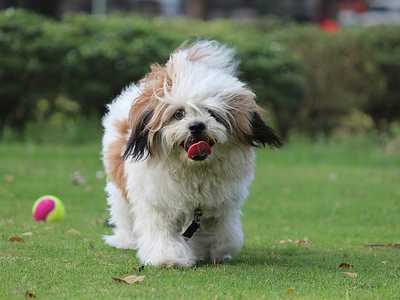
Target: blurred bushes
x,y
83,58
382,45
339,77
310,81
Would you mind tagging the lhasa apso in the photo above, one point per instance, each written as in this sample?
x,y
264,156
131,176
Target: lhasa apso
x,y
178,150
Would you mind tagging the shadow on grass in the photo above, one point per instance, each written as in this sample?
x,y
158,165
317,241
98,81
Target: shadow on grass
x,y
293,257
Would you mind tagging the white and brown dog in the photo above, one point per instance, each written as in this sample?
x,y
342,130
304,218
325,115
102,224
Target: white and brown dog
x,y
178,150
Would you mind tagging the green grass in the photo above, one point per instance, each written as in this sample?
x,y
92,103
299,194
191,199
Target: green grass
x,y
339,196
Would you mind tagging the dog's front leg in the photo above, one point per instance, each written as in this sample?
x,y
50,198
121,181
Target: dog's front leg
x,y
159,243
228,237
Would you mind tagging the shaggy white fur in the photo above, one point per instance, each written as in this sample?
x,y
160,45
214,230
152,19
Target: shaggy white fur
x,y
164,190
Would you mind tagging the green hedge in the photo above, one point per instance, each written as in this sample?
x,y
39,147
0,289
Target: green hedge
x,y
383,50
309,80
353,70
90,59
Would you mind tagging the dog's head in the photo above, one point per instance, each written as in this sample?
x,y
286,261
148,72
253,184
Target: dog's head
x,y
193,105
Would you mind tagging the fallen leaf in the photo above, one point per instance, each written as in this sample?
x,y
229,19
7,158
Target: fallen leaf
x,y
388,245
291,290
345,266
350,274
8,178
99,255
303,242
16,238
30,295
73,231
27,234
130,279
289,241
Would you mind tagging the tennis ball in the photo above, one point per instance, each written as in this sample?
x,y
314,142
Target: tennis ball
x,y
48,208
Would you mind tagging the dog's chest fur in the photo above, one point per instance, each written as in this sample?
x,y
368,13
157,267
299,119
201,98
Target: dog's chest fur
x,y
176,189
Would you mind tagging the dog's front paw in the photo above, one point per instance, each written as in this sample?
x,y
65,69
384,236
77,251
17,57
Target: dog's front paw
x,y
170,254
172,262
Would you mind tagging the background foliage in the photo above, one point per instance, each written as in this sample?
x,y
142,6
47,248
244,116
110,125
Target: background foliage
x,y
60,74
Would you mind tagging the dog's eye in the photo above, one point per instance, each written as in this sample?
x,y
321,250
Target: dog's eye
x,y
179,114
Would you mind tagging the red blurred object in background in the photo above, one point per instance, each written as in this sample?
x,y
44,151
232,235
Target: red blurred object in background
x,y
329,25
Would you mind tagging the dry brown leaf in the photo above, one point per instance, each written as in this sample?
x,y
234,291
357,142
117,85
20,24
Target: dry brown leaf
x,y
30,295
16,238
350,274
285,241
291,290
8,178
303,242
345,266
129,279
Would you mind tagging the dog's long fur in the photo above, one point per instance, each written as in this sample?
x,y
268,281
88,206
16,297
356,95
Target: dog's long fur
x,y
153,187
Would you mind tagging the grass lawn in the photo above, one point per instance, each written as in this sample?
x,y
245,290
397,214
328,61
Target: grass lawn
x,y
336,197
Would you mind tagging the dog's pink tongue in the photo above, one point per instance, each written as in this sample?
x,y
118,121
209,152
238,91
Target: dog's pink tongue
x,y
199,151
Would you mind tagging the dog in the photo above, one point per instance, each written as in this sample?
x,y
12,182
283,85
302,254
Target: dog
x,y
179,154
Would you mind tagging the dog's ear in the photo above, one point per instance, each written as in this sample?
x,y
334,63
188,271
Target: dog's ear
x,y
261,134
137,147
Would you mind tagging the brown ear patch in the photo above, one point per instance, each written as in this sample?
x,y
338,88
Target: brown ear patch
x,y
241,107
148,114
248,124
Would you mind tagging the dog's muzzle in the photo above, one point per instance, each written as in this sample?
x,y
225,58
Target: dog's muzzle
x,y
198,148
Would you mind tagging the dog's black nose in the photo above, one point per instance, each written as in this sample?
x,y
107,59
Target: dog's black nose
x,y
197,128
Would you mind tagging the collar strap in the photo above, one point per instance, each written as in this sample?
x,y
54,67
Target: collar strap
x,y
194,226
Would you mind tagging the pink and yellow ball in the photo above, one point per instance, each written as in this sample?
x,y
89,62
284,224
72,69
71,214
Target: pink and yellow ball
x,y
48,208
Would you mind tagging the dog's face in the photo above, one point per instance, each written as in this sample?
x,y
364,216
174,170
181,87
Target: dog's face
x,y
193,126
193,106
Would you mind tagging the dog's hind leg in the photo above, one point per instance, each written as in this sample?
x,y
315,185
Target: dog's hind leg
x,y
121,218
